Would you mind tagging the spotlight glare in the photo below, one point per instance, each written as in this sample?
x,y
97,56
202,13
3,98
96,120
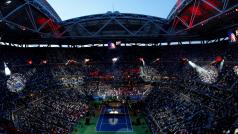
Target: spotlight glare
x,y
8,2
142,60
30,62
114,60
207,74
44,61
221,65
193,65
7,70
210,74
156,60
86,60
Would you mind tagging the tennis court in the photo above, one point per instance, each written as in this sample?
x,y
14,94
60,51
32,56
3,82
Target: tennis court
x,y
114,120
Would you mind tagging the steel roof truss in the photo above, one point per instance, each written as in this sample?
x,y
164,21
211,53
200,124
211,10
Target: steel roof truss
x,y
15,10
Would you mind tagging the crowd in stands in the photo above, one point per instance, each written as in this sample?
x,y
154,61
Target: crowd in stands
x,y
57,112
192,105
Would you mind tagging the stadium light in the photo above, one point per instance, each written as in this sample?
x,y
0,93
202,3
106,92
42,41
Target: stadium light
x,y
114,60
30,62
218,60
7,70
8,2
44,61
236,131
70,62
156,60
221,65
142,60
86,60
114,112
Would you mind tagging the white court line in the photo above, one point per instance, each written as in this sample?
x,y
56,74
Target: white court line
x,y
99,118
102,119
116,124
130,120
126,118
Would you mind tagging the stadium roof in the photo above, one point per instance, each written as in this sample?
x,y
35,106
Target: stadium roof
x,y
35,21
115,25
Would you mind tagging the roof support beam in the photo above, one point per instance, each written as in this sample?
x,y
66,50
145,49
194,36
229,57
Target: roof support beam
x,y
15,10
185,24
108,22
73,26
195,8
124,27
225,4
139,30
30,15
20,26
199,23
43,25
208,3
160,28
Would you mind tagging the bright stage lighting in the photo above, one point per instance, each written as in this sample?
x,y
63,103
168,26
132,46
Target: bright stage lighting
x,y
114,60
236,131
193,65
86,60
7,70
218,60
156,60
114,112
30,62
44,61
142,60
8,2
221,65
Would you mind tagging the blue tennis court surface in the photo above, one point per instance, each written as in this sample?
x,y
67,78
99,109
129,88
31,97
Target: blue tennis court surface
x,y
115,122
